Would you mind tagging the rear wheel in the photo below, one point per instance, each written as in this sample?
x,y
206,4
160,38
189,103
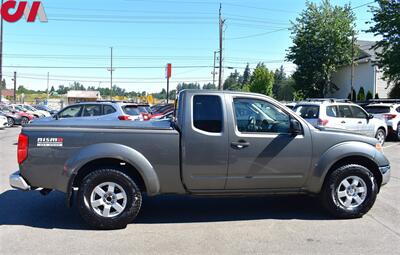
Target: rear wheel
x,y
349,191
24,121
381,136
10,122
398,132
108,199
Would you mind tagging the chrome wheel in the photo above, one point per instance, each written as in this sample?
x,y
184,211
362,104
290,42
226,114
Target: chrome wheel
x,y
108,199
10,122
351,192
380,136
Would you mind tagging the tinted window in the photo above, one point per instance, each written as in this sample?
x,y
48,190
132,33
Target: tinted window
x,y
377,109
308,111
358,112
207,113
332,111
108,109
259,116
91,110
142,109
70,112
345,112
131,110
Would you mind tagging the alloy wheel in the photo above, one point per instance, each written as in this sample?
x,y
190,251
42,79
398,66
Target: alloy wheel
x,y
352,192
108,199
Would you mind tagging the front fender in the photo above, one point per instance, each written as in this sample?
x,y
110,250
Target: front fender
x,y
115,151
336,153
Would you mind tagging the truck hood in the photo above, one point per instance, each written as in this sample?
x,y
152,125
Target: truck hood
x,y
113,124
336,135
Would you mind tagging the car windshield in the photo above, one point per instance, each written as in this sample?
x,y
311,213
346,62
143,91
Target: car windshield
x,y
377,109
307,111
20,108
131,110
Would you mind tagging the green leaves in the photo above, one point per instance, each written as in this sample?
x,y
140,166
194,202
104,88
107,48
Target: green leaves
x,y
322,42
261,80
387,25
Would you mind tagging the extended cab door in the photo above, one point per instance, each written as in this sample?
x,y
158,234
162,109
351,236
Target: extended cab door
x,y
263,154
204,141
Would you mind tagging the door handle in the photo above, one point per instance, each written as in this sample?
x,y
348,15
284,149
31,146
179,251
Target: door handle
x,y
240,145
343,122
359,122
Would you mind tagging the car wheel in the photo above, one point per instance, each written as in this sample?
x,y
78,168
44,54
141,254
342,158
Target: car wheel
x,y
380,136
10,122
108,199
398,132
24,121
349,191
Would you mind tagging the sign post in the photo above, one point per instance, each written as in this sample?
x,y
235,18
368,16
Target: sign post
x,y
168,72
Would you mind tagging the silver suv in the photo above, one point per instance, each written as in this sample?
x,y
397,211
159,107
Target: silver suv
x,y
341,114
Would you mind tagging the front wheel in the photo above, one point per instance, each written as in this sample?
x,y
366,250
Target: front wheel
x,y
398,132
349,191
10,122
108,199
24,121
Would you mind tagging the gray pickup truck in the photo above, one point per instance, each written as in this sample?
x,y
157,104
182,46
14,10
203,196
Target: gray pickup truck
x,y
219,144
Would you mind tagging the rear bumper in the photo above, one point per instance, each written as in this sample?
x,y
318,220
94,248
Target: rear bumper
x,y
18,182
385,171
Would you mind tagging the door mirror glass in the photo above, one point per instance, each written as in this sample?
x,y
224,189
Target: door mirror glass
x,y
370,116
295,127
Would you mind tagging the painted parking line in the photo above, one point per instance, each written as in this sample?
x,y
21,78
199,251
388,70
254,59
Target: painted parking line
x,y
391,145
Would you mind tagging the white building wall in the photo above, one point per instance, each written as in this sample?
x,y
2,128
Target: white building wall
x,y
364,76
381,85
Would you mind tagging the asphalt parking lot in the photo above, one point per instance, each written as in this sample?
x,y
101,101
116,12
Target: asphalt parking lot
x,y
33,224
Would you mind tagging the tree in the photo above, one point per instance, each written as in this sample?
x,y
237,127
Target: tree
x,y
361,95
261,80
232,82
209,86
246,76
376,96
321,43
279,77
369,95
3,84
52,89
387,25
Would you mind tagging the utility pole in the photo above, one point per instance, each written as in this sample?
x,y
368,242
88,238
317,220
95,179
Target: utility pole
x,y
352,67
221,26
48,80
111,73
1,53
15,87
213,72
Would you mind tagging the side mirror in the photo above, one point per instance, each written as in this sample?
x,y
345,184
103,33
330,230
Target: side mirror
x,y
295,127
370,116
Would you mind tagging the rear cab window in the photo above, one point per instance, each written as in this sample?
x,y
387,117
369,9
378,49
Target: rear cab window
x,y
307,111
207,113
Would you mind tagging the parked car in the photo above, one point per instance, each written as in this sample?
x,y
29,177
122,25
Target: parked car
x,y
103,110
16,117
161,111
28,109
342,115
390,113
3,121
219,144
45,108
12,119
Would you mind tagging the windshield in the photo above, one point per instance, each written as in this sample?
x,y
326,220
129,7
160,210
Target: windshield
x,y
307,111
20,108
377,109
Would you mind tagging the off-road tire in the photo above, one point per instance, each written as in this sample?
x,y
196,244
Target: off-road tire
x,y
133,205
329,196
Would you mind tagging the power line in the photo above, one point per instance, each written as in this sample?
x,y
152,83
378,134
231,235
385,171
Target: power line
x,y
257,35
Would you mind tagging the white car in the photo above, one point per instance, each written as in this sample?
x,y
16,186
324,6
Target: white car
x,y
36,111
342,115
389,112
3,122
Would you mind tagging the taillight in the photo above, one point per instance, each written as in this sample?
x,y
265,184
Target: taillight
x,y
22,152
322,122
124,117
389,116
146,117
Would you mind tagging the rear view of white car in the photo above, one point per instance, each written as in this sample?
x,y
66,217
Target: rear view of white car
x,y
3,122
342,115
390,113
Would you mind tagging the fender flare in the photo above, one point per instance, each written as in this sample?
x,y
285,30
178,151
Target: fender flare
x,y
335,154
115,151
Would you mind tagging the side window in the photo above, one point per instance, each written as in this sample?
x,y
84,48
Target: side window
x,y
256,116
345,112
108,109
358,112
70,112
91,110
332,111
207,113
